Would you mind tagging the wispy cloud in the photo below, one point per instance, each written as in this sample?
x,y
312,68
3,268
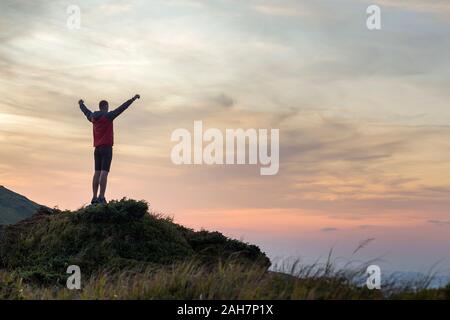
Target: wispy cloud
x,y
329,229
439,222
439,7
283,10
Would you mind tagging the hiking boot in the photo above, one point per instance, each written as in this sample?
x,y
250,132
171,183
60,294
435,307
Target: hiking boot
x,y
102,200
94,201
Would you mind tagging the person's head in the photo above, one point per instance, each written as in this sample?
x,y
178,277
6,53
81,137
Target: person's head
x,y
103,105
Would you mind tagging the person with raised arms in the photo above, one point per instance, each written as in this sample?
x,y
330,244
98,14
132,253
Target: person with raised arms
x,y
102,123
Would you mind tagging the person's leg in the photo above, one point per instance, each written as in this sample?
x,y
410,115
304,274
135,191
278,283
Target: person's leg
x,y
96,177
103,181
95,184
106,164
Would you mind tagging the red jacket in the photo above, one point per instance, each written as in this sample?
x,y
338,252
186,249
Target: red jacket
x,y
102,121
103,130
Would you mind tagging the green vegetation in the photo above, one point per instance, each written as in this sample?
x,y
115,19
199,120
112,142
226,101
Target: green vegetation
x,y
125,252
119,235
14,207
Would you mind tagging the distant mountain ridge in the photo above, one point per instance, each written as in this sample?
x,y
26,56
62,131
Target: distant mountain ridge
x,y
15,207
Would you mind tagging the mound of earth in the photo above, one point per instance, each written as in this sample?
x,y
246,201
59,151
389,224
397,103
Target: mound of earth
x,y
122,234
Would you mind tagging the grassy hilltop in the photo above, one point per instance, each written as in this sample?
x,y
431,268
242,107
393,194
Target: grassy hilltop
x,y
119,235
126,252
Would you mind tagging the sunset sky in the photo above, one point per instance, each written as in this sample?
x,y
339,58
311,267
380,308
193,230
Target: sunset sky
x,y
364,116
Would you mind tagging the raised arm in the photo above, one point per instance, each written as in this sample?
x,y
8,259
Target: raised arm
x,y
85,110
116,112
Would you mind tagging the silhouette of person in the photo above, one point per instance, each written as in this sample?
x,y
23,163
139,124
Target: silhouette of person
x,y
102,123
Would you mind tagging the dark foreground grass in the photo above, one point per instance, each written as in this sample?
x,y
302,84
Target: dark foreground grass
x,y
228,280
125,252
120,235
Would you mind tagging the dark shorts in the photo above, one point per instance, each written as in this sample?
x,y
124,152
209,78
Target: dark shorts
x,y
103,158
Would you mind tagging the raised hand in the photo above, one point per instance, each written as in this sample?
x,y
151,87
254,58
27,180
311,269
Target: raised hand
x,y
81,102
136,97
